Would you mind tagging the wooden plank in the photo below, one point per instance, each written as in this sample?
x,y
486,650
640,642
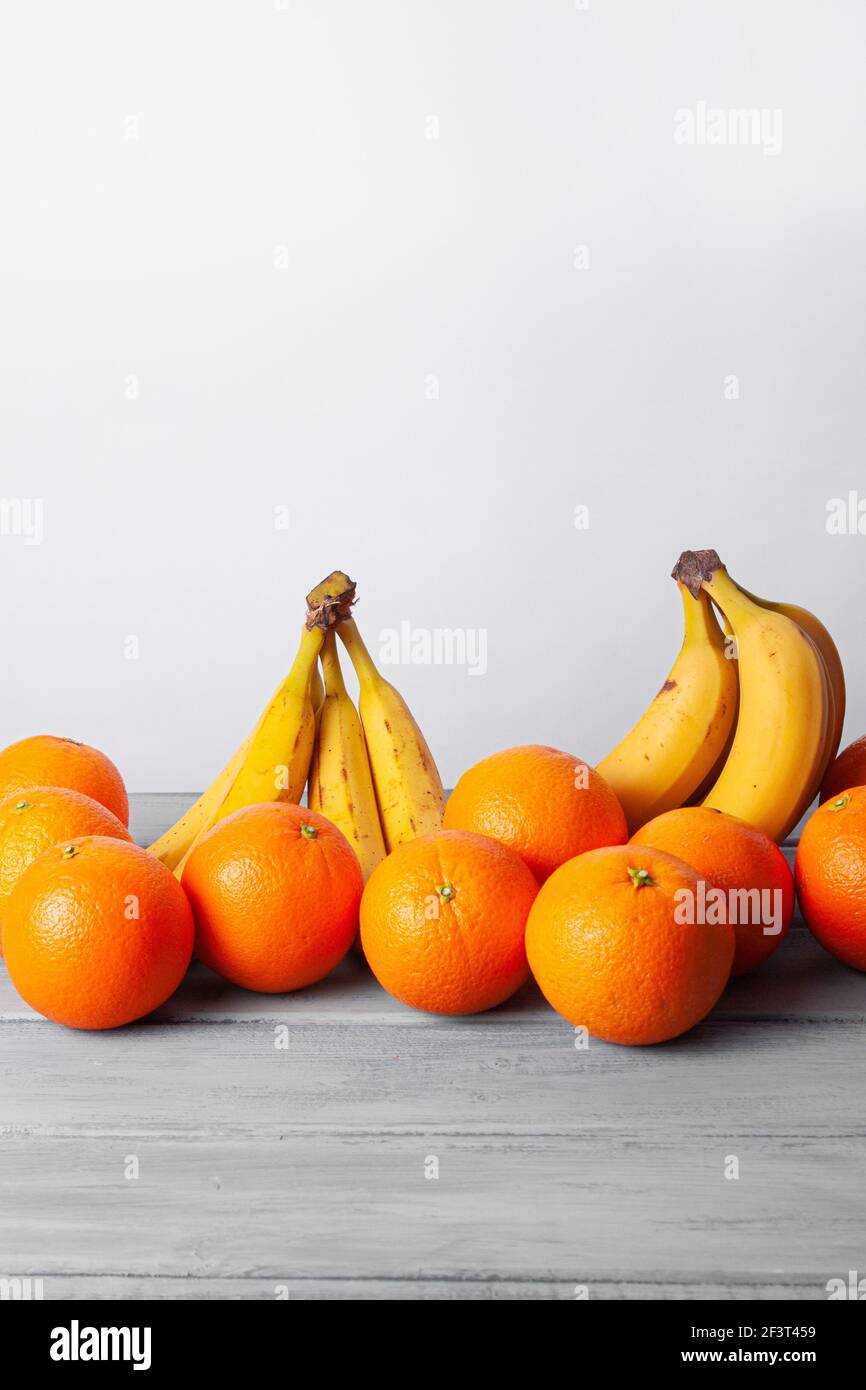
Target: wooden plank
x,y
151,813
578,1210
453,1077
160,1287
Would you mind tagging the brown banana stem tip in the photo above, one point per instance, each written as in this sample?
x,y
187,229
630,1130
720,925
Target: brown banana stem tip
x,y
695,566
331,601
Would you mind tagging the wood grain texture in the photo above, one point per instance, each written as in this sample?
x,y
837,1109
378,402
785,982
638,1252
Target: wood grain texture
x,y
570,1209
299,1170
166,1287
452,1077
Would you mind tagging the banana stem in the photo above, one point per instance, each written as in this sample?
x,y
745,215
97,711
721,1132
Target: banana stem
x,y
304,663
317,687
696,567
362,661
331,601
727,594
702,569
334,683
699,619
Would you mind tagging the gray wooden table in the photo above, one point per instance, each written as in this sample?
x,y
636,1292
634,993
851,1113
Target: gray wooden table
x,y
334,1144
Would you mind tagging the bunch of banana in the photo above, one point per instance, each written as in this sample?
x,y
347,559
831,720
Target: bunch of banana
x,y
376,779
274,761
751,736
792,702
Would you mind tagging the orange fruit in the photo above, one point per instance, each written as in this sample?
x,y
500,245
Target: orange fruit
x,y
743,863
98,933
830,872
443,919
546,805
612,949
30,822
275,890
46,761
847,770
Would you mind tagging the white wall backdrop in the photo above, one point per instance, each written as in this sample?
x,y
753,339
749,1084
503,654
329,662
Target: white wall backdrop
x,y
243,246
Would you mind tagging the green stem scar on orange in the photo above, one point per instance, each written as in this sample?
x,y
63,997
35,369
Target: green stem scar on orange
x,y
640,878
309,832
838,805
70,851
446,891
22,806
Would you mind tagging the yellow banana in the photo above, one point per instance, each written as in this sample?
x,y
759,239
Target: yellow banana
x,y
785,709
678,739
828,651
174,846
278,759
171,847
814,628
317,696
341,784
408,786
317,689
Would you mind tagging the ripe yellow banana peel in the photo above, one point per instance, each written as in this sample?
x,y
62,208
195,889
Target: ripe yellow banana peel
x,y
814,628
678,740
409,790
341,783
786,716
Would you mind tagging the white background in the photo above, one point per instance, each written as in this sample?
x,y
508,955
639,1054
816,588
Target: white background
x,y
306,127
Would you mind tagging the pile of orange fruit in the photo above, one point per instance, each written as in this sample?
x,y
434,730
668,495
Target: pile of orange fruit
x,y
532,874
